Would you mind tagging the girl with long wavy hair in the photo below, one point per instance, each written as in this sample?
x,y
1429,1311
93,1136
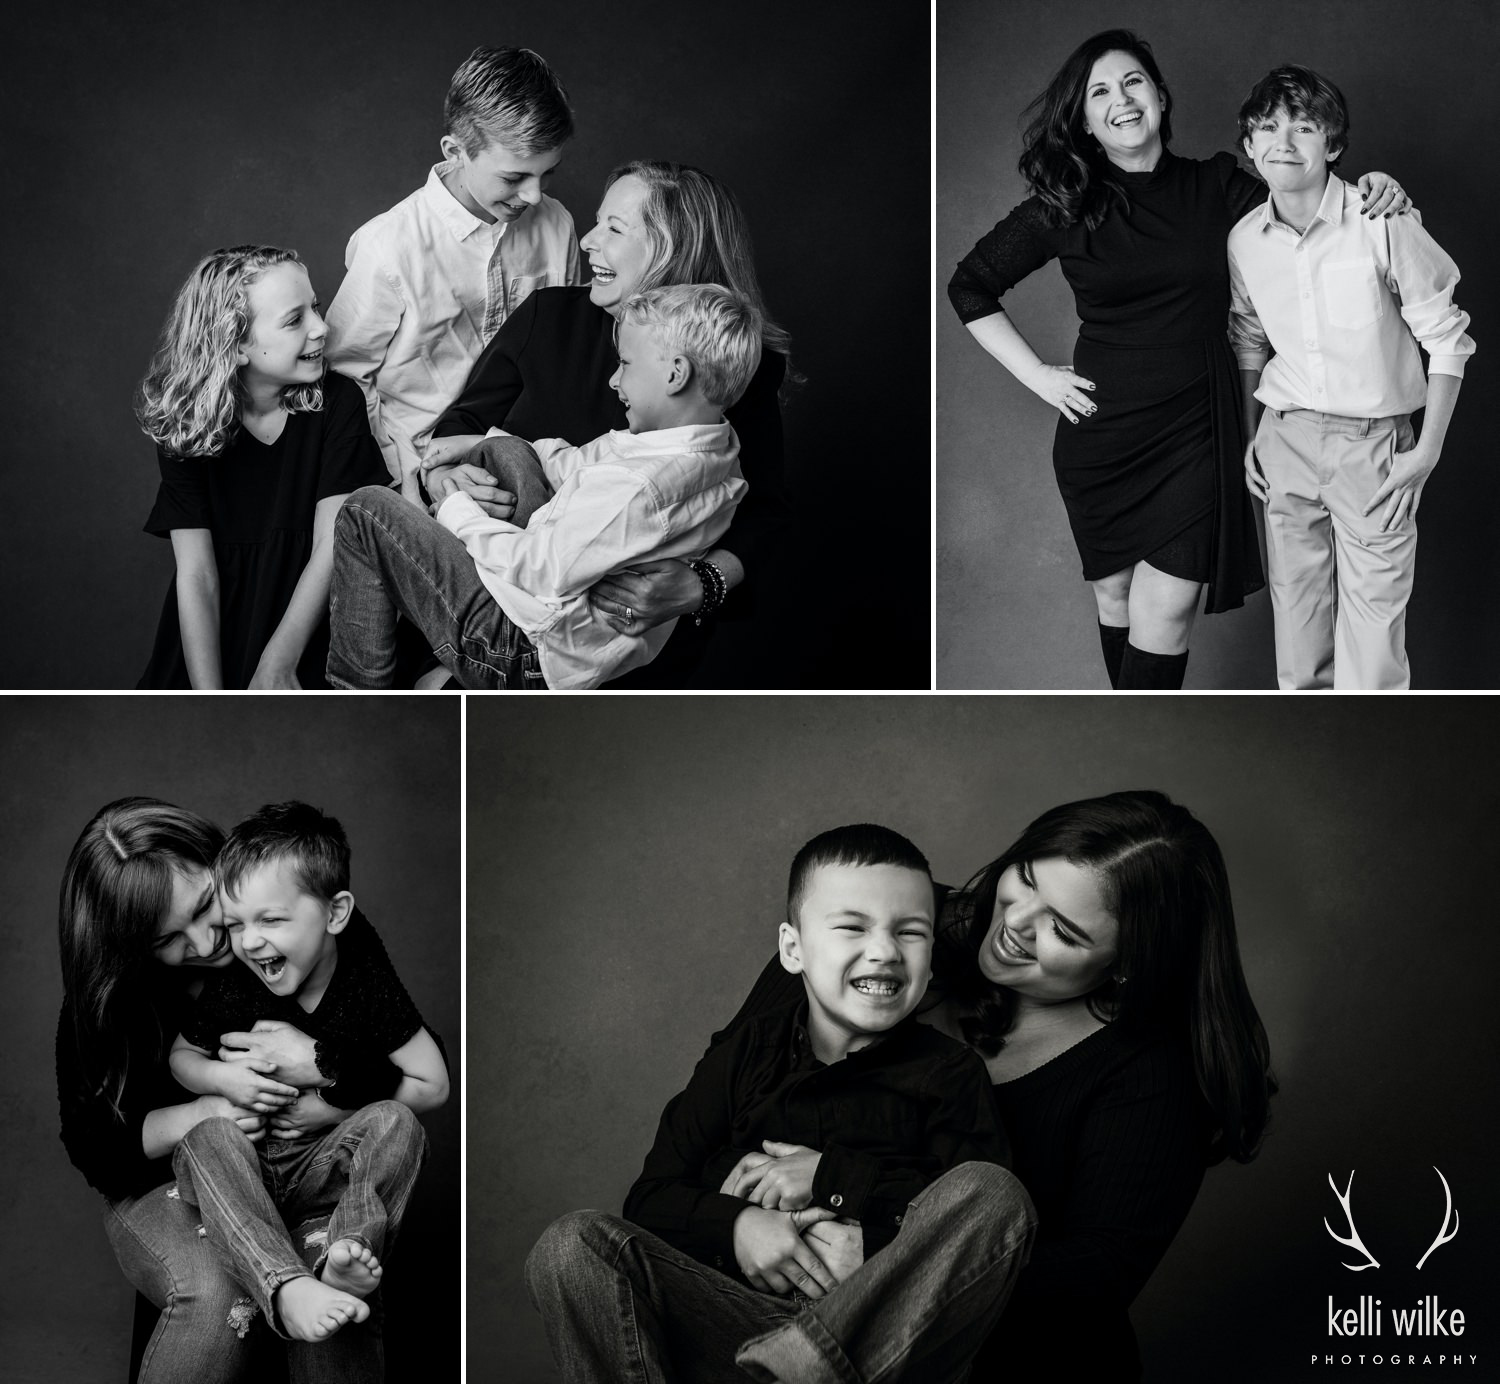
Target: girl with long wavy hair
x,y
1094,966
258,447
546,374
1148,446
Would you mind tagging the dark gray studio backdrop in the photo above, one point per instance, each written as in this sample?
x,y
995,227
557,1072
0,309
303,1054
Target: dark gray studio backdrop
x,y
1013,610
389,770
626,870
139,137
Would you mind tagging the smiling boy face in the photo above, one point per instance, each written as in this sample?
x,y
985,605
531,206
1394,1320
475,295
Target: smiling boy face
x,y
286,935
863,947
1290,151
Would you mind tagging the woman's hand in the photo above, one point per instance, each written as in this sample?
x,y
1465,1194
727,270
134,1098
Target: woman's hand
x,y
647,595
220,1107
475,482
246,1083
1255,478
308,1114
1061,388
771,1253
288,1049
839,1244
784,1182
1381,195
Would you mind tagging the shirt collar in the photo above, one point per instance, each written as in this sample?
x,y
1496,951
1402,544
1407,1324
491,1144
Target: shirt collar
x,y
1330,209
800,1045
450,211
693,437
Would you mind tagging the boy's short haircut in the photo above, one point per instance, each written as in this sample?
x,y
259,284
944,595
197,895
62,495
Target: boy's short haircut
x,y
1300,91
313,844
507,96
718,331
864,843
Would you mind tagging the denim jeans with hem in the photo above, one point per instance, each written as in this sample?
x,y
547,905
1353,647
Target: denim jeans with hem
x,y
362,1172
392,559
203,1334
623,1307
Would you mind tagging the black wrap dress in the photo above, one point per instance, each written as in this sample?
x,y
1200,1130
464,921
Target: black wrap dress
x,y
1156,473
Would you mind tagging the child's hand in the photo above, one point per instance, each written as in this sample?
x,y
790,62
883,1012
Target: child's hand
x,y
219,1107
1402,488
740,1173
445,451
275,678
307,1115
1255,478
774,1257
839,1244
477,484
248,1084
784,1182
411,489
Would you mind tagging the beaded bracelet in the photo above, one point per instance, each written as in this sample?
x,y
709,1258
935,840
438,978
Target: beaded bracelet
x,y
715,588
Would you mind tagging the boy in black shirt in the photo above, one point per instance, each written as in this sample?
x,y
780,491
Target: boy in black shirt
x,y
791,1131
347,1142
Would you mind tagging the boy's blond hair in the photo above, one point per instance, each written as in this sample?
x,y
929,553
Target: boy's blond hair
x,y
718,331
508,96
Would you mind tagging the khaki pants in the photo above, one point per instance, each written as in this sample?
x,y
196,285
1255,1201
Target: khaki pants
x,y
1339,586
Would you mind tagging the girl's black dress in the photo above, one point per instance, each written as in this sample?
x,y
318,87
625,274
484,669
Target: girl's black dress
x,y
1156,474
258,501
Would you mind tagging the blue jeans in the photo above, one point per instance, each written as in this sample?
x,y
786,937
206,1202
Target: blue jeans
x,y
360,1173
392,559
623,1307
202,1336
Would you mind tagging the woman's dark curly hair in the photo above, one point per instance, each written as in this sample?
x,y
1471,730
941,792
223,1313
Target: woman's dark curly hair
x,y
1061,162
1164,881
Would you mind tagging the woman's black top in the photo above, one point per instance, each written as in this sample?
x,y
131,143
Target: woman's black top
x,y
1161,459
546,373
1110,1139
258,500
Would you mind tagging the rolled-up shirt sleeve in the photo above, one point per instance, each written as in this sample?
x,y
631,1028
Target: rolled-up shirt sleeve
x,y
1247,336
1424,277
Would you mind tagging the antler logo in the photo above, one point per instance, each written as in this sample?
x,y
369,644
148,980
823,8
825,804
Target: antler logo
x,y
1354,1242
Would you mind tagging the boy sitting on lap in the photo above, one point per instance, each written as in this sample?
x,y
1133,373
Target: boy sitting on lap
x,y
739,1247
1344,301
507,606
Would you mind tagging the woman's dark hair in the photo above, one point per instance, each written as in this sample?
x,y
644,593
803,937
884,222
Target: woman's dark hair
x,y
1178,969
1061,162
116,888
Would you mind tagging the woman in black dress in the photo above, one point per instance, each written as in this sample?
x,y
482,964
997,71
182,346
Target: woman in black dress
x,y
1148,448
546,374
1095,967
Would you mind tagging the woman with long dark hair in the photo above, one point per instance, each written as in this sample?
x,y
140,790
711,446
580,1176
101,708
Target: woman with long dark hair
x,y
1094,966
1148,448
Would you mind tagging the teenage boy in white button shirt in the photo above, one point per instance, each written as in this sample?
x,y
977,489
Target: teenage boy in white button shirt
x,y
430,281
1344,301
493,598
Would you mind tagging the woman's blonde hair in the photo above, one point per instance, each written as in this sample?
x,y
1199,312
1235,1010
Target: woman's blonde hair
x,y
699,235
189,403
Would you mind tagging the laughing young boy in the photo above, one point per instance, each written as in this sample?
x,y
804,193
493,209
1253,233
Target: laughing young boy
x,y
1345,302
739,1247
344,1137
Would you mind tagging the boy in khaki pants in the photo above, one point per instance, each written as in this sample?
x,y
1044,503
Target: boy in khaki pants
x,y
1345,302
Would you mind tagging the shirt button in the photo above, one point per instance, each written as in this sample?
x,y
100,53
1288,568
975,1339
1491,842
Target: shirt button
x,y
835,1200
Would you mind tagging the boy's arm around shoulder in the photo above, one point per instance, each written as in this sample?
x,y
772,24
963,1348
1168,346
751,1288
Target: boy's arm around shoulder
x,y
676,1196
962,1126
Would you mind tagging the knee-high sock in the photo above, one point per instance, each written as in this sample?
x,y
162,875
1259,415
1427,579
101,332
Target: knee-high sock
x,y
1141,672
1112,640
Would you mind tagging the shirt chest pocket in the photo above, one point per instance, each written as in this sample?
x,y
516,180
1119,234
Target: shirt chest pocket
x,y
1353,295
519,287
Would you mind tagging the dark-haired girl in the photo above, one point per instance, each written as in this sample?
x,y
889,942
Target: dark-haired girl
x,y
1148,449
1094,966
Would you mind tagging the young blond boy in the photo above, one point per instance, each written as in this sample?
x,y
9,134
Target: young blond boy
x,y
1345,301
430,281
507,606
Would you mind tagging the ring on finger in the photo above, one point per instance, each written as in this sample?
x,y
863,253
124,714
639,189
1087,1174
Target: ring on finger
x,y
629,614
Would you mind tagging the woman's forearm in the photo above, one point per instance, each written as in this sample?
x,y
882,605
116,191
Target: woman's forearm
x,y
1001,338
164,1129
732,569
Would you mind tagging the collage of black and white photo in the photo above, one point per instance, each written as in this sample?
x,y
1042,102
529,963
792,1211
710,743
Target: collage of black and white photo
x,y
919,449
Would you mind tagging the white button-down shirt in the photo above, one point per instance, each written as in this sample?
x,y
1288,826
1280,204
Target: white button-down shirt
x,y
428,285
622,498
1344,304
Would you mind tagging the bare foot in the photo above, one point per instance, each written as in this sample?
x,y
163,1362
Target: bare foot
x,y
352,1268
313,1311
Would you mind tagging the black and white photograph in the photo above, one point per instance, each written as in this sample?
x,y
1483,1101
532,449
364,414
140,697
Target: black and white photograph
x,y
1209,282
1220,969
274,260
241,960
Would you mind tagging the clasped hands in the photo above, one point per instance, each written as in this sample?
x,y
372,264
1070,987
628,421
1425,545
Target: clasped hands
x,y
290,1108
781,1241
